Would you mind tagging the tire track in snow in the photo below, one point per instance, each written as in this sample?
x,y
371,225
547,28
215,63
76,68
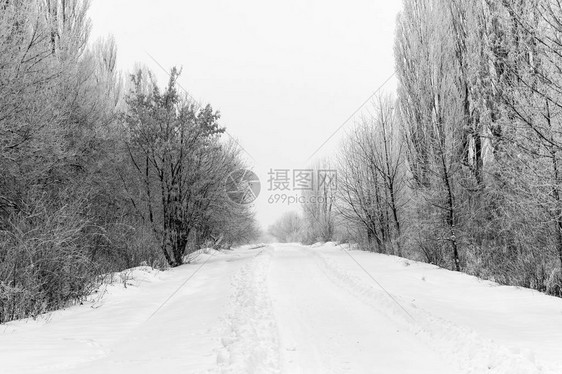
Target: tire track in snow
x,y
472,353
250,343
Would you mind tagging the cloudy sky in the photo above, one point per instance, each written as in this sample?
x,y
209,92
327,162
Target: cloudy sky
x,y
284,74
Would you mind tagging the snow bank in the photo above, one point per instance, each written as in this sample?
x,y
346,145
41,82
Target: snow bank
x,y
141,321
469,350
133,277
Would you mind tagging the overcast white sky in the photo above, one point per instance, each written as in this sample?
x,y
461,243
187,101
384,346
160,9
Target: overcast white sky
x,y
284,74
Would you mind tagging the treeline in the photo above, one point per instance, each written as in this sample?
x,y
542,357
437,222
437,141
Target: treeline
x,y
462,168
99,172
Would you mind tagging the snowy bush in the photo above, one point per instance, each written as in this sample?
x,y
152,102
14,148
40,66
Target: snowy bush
x,y
43,264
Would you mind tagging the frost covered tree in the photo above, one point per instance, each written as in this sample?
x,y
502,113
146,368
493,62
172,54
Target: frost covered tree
x,y
173,145
432,116
319,210
479,96
371,182
56,116
288,228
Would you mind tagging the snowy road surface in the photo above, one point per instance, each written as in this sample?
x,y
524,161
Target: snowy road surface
x,y
294,309
326,329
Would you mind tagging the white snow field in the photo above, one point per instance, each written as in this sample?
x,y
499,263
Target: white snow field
x,y
287,308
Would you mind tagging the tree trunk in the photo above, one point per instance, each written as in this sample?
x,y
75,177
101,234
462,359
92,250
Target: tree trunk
x,y
451,216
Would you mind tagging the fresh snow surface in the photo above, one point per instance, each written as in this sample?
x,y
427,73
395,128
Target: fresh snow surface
x,y
287,308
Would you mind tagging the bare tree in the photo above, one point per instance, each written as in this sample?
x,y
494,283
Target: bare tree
x,y
372,179
319,207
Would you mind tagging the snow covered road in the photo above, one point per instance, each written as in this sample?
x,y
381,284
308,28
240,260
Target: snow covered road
x,y
294,309
326,329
